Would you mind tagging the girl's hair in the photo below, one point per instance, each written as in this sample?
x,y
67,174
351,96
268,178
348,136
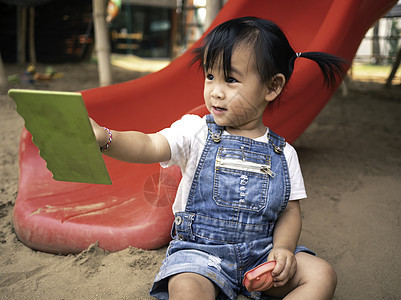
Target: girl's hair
x,y
272,51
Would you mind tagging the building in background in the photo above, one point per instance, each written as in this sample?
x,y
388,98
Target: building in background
x,y
154,28
383,41
63,30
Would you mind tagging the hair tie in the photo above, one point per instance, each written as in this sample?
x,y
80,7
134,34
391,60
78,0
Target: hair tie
x,y
298,54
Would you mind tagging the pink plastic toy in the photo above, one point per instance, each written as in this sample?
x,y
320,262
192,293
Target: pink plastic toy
x,y
259,278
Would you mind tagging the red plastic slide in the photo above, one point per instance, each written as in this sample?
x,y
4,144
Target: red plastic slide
x,y
63,217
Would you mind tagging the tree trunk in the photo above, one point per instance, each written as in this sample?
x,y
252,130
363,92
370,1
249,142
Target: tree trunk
x,y
32,52
376,45
3,78
102,42
394,69
21,34
212,9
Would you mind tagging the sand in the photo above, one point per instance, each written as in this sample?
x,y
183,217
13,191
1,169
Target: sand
x,y
351,161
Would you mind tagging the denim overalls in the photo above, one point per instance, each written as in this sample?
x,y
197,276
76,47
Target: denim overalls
x,y
240,187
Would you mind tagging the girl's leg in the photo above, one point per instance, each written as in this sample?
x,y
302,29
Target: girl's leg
x,y
191,286
314,279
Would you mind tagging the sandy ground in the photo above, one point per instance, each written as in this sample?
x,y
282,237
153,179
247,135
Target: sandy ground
x,y
351,160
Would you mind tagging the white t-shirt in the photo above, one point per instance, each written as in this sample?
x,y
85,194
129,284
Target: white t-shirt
x,y
187,138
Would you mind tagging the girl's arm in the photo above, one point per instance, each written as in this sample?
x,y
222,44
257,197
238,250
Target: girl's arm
x,y
285,239
133,146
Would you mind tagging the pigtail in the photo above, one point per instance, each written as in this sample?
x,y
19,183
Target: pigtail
x,y
331,66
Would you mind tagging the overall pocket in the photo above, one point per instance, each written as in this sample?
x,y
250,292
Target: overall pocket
x,y
241,179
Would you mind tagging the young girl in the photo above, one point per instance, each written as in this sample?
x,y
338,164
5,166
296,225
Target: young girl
x,y
237,205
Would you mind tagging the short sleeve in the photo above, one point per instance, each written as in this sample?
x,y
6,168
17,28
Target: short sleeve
x,y
297,182
181,135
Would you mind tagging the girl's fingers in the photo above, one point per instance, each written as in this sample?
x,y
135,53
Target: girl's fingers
x,y
286,272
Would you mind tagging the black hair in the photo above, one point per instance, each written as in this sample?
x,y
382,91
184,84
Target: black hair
x,y
272,51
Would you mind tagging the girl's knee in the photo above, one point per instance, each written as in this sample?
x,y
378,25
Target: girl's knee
x,y
318,273
326,280
327,273
191,286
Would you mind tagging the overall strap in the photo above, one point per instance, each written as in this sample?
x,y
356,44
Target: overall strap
x,y
214,131
277,141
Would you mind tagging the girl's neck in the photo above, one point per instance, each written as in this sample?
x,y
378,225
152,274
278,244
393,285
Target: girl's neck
x,y
252,133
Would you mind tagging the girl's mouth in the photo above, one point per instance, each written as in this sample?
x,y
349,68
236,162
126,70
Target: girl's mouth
x,y
218,109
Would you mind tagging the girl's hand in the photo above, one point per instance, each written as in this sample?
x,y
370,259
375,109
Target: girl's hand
x,y
100,134
286,265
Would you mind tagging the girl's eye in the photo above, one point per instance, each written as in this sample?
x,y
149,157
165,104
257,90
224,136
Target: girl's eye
x,y
231,80
209,77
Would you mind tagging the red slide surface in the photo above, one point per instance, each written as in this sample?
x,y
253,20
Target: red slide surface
x,y
62,217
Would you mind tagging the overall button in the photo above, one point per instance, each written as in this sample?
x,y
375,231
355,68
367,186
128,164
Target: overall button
x,y
178,220
277,149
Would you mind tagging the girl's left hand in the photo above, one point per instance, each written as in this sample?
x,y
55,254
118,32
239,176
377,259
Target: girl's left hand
x,y
286,265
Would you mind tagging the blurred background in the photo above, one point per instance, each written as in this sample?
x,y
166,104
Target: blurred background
x,y
150,32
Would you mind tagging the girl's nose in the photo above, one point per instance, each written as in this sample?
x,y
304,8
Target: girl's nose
x,y
218,92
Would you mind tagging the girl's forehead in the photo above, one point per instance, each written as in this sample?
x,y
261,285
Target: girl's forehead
x,y
243,52
242,56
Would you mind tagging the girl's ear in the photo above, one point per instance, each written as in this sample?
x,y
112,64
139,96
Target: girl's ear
x,y
275,87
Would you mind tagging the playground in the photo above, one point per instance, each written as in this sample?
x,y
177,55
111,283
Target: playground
x,y
69,240
351,159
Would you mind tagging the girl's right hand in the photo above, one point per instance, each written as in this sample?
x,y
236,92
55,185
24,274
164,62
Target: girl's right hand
x,y
100,134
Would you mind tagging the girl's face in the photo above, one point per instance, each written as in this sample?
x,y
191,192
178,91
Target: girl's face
x,y
238,102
